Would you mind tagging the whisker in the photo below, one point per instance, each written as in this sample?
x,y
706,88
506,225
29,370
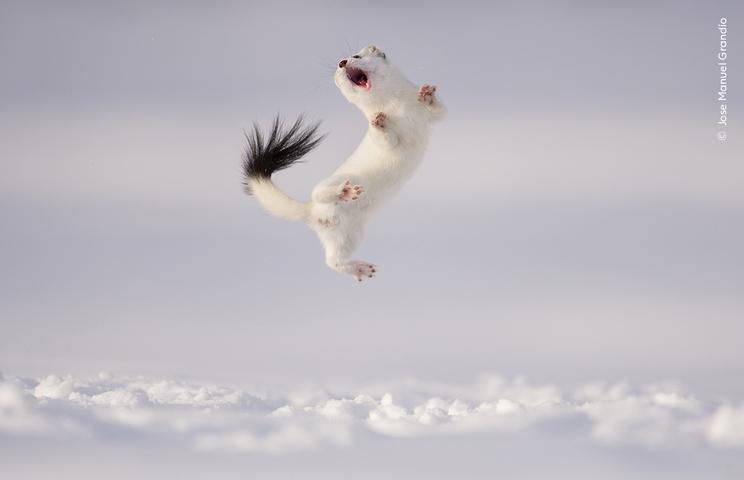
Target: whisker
x,y
348,47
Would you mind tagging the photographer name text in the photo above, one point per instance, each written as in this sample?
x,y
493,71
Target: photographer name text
x,y
722,57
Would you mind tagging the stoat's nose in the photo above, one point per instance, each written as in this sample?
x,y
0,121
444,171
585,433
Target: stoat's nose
x,y
342,64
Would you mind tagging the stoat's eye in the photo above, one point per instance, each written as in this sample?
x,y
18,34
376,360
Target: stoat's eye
x,y
355,56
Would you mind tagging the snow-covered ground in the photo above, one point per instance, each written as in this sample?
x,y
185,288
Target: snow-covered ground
x,y
210,417
202,424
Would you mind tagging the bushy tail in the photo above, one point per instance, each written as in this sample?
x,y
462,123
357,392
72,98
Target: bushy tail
x,y
264,156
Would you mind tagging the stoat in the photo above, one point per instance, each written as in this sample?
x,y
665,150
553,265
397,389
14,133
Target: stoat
x,y
399,115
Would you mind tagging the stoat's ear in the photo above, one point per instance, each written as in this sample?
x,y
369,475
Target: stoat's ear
x,y
375,52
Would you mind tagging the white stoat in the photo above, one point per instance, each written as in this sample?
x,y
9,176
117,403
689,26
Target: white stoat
x,y
399,115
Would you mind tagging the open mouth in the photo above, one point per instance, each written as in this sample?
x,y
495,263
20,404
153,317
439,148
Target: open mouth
x,y
357,77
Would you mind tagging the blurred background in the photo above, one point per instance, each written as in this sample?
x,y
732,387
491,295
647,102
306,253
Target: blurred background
x,y
575,219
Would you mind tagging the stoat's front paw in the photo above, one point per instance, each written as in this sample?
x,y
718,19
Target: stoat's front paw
x,y
349,192
426,94
378,120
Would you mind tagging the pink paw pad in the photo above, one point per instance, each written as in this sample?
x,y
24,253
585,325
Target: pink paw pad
x,y
426,94
327,222
350,192
378,120
362,270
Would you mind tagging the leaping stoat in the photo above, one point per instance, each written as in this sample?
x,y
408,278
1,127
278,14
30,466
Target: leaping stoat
x,y
399,115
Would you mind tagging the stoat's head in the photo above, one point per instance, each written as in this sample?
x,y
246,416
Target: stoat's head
x,y
367,78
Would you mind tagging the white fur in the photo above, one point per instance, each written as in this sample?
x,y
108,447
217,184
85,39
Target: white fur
x,y
387,156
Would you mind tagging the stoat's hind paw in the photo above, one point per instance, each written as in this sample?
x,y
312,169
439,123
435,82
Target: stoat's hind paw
x,y
362,270
426,94
349,192
378,120
328,222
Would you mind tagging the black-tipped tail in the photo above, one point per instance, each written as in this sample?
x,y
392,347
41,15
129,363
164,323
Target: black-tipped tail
x,y
280,149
